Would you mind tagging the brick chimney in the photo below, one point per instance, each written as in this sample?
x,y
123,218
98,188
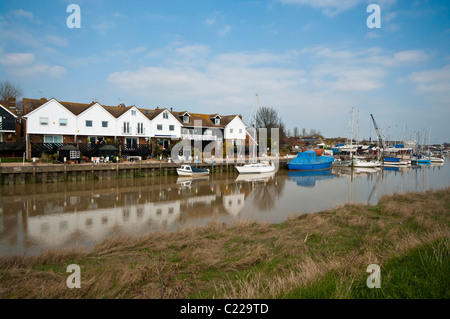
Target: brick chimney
x,y
12,102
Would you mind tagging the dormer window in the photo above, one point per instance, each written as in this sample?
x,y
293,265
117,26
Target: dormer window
x,y
185,118
217,121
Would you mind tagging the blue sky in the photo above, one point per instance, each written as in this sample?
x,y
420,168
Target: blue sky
x,y
312,60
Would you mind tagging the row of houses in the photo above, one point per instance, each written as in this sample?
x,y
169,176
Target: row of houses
x,y
56,122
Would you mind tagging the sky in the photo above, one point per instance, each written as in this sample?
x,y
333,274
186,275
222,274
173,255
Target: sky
x,y
311,60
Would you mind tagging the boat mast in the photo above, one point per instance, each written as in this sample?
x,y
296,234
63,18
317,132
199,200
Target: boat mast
x,y
351,137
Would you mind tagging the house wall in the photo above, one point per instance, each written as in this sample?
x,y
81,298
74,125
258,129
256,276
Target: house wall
x,y
97,115
171,120
53,111
133,120
236,124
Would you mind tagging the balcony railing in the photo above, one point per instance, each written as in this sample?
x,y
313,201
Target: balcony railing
x,y
7,125
199,137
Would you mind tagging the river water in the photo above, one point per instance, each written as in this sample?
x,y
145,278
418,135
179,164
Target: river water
x,y
34,218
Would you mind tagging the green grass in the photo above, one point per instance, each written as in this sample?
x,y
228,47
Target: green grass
x,y
422,273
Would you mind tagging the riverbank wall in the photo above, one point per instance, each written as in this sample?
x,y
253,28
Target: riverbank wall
x,y
54,173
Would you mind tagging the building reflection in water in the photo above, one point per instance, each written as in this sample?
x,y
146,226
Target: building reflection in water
x,y
37,217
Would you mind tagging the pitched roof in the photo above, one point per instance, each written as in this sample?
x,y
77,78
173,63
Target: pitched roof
x,y
5,104
207,120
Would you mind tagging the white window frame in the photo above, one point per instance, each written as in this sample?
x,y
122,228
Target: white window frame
x,y
86,123
140,128
42,122
133,112
53,138
217,121
171,127
63,122
166,115
159,127
126,128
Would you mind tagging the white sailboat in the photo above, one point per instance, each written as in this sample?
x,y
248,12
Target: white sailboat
x,y
253,167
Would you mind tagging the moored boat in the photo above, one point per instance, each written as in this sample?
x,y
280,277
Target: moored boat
x,y
187,170
308,160
255,168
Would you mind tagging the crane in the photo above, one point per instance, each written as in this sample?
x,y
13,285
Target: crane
x,y
380,139
377,129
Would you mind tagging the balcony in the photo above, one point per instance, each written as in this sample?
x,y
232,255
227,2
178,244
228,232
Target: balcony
x,y
199,137
8,126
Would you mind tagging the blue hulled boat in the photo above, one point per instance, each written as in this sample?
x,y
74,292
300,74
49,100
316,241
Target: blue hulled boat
x,y
308,160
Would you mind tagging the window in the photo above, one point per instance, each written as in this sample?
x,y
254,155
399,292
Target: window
x,y
104,123
62,122
185,118
159,127
53,139
126,127
88,123
140,128
166,115
240,131
133,112
171,127
43,121
217,121
231,131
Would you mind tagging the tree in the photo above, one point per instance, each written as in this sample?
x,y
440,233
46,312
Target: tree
x,y
296,132
8,89
267,117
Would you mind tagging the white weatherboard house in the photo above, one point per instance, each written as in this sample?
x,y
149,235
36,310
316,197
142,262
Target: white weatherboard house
x,y
53,121
96,122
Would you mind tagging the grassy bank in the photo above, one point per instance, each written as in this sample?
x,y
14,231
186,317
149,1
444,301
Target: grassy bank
x,y
323,255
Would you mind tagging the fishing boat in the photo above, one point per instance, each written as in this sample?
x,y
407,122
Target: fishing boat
x,y
308,160
187,170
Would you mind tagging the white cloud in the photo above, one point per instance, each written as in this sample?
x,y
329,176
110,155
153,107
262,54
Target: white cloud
x,y
328,7
17,59
225,30
334,7
432,81
23,14
23,65
57,41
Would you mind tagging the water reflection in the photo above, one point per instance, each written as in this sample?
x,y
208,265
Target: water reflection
x,y
36,217
309,178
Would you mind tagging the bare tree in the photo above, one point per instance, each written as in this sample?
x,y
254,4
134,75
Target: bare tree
x,y
8,89
296,132
267,117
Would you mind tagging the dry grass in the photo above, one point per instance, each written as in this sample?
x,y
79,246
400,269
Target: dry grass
x,y
243,260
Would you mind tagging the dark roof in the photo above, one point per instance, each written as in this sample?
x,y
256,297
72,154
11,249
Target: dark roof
x,y
207,120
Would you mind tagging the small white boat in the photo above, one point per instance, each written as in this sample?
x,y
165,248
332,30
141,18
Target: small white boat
x,y
366,164
187,170
437,159
263,167
341,163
